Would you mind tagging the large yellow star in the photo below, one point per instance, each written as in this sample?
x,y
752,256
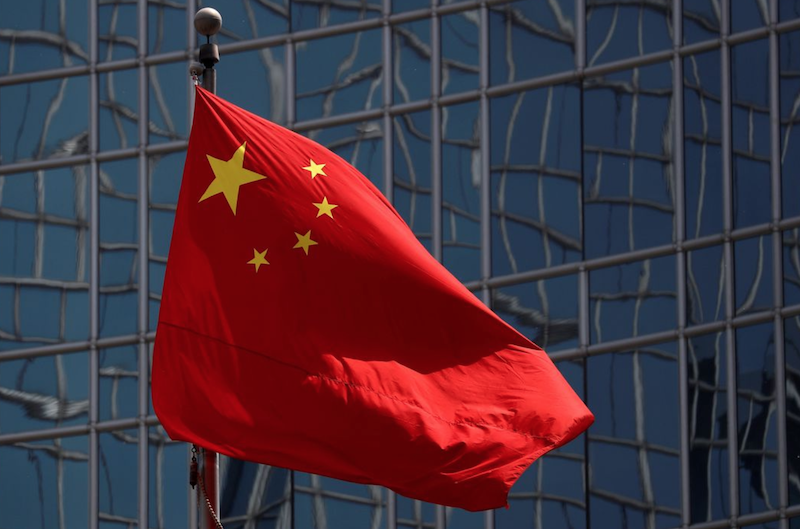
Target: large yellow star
x,y
229,176
324,207
304,241
258,259
315,168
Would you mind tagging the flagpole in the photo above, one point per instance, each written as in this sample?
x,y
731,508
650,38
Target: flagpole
x,y
208,22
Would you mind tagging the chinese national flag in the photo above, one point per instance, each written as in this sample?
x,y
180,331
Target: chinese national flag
x,y
304,326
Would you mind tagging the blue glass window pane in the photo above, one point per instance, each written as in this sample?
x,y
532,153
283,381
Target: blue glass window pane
x,y
50,484
339,74
517,28
44,119
44,392
708,435
41,36
119,491
633,299
411,45
758,443
461,185
259,78
700,20
311,14
702,144
615,30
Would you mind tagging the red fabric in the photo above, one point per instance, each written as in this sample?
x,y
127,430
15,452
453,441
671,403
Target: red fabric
x,y
364,360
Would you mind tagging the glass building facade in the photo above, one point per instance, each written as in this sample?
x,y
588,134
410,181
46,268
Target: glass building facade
x,y
618,179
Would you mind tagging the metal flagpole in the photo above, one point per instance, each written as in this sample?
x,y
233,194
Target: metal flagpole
x,y
208,22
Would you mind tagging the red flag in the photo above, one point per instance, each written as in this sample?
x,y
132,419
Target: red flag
x,y
303,325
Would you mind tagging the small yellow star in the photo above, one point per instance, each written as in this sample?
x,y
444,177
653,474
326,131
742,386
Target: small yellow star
x,y
304,241
258,259
315,168
229,176
325,208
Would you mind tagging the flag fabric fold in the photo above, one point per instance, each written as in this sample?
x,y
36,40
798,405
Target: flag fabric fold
x,y
303,325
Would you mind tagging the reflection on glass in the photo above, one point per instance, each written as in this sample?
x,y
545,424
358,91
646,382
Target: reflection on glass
x,y
411,57
44,392
164,184
412,172
359,144
634,446
758,444
517,28
632,299
790,121
700,20
118,38
460,52
535,179
326,502
791,266
753,273
628,188
168,473
616,29
119,382
748,14
247,20
119,243
308,14
788,9
119,115
705,280
415,514
44,257
708,435
166,26
118,459
50,483
259,78
40,36
750,123
551,492
792,352
461,186
255,495
167,101
702,144
339,74
544,311
45,119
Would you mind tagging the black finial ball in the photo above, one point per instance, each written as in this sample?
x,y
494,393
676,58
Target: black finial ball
x,y
208,21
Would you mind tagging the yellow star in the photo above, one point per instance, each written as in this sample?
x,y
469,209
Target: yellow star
x,y
258,259
324,207
304,241
229,176
315,168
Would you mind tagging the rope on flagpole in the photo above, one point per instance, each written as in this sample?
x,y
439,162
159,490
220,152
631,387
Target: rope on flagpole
x,y
208,503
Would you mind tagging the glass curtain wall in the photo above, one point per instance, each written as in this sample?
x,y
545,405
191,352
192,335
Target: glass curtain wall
x,y
618,180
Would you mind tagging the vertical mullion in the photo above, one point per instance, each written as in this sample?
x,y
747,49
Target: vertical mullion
x,y
388,173
680,258
388,99
727,187
583,274
436,134
436,165
94,263
777,262
486,203
143,262
290,82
